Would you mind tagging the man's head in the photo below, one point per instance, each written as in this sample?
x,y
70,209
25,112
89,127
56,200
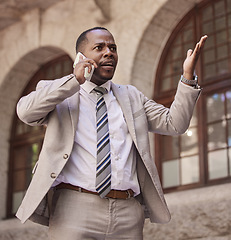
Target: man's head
x,y
98,44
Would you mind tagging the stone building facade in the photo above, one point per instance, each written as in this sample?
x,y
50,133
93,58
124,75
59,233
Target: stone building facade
x,y
36,32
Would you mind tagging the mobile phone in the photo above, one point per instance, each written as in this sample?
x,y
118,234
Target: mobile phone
x,y
87,75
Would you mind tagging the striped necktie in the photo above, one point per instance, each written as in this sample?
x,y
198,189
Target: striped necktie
x,y
103,166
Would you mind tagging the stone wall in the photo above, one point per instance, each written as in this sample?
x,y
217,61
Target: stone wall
x,y
141,29
203,214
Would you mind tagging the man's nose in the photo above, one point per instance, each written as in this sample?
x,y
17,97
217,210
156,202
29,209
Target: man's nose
x,y
108,52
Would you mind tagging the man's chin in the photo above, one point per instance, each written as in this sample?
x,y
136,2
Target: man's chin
x,y
102,79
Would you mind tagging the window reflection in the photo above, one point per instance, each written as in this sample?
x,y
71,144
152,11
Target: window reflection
x,y
228,97
215,107
217,161
190,170
219,134
171,173
229,133
216,135
189,142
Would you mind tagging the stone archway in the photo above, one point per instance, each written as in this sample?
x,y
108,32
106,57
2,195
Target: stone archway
x,y
153,42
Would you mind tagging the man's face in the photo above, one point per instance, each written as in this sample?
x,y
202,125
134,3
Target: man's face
x,y
101,48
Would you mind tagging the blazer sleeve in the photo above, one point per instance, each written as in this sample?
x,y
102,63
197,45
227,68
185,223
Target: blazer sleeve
x,y
176,119
34,108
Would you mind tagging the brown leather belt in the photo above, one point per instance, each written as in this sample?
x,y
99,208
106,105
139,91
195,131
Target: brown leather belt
x,y
116,194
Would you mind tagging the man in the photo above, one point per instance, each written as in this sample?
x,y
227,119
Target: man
x,y
95,163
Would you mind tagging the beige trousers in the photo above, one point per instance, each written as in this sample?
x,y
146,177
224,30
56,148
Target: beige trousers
x,y
80,216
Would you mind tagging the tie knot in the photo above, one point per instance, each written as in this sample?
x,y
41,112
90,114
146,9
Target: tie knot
x,y
100,90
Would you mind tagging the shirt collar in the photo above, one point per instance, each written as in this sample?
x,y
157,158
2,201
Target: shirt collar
x,y
89,86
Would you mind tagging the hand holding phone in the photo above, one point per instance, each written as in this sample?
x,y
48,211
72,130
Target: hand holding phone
x,y
87,75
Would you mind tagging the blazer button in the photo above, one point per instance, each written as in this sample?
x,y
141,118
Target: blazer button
x,y
65,156
53,175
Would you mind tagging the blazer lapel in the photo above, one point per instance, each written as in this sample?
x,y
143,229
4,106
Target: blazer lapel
x,y
121,95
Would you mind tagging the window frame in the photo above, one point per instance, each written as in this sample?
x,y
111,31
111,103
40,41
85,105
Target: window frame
x,y
212,85
36,134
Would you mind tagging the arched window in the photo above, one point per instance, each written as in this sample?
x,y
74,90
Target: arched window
x,y
201,156
26,141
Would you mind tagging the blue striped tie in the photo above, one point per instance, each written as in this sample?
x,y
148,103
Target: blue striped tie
x,y
103,167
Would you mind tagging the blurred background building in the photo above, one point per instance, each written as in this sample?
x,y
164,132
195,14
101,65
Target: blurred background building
x,y
37,41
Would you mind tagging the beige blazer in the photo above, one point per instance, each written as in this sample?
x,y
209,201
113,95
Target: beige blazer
x,y
56,104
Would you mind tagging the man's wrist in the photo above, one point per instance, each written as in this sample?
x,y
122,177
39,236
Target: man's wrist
x,y
192,82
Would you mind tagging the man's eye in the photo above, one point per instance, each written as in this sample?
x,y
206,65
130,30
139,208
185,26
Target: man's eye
x,y
98,48
113,49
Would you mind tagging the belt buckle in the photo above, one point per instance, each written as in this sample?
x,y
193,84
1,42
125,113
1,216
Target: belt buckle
x,y
129,194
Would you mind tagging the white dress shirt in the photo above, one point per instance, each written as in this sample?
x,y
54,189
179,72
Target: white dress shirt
x,y
80,170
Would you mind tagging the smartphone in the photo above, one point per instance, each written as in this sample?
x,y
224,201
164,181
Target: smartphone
x,y
87,75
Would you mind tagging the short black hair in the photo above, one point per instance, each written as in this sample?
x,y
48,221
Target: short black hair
x,y
83,37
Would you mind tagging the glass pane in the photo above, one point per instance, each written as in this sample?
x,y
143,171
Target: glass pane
x,y
216,136
219,8
176,53
167,69
177,67
229,20
176,80
223,66
229,133
17,199
190,170
228,99
188,35
207,13
207,28
229,6
220,23
177,40
209,56
186,47
221,37
222,52
209,70
189,142
215,107
217,161
229,161
166,84
209,42
171,173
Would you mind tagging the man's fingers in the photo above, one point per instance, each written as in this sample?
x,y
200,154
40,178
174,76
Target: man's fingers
x,y
202,40
92,62
189,52
199,46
